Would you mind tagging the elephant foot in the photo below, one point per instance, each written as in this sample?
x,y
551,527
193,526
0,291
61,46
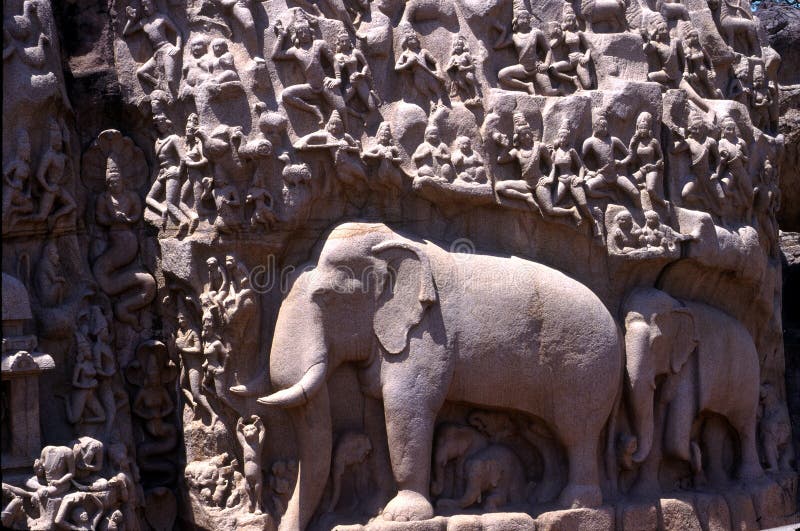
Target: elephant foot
x,y
579,496
407,506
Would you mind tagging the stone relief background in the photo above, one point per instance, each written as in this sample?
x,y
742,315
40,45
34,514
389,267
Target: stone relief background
x,y
384,264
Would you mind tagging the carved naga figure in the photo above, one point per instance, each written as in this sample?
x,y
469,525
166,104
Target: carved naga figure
x,y
119,210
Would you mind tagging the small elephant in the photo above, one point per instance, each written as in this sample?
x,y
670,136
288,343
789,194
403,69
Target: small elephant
x,y
352,450
711,366
454,442
494,475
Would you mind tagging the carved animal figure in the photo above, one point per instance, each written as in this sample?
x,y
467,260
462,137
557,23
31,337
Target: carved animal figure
x,y
708,371
454,442
352,450
610,12
418,347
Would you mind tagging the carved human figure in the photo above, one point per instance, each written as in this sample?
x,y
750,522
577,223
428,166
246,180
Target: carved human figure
x,y
572,51
702,189
468,163
353,72
119,209
774,429
624,235
420,67
189,346
568,176
734,176
89,457
79,510
166,55
51,286
52,177
760,100
309,53
461,68
17,201
54,469
655,234
281,481
260,151
84,399
766,204
388,180
169,153
215,353
699,72
607,178
735,20
216,287
648,159
351,452
197,68
229,204
666,49
534,56
224,78
241,12
432,157
105,362
251,438
194,168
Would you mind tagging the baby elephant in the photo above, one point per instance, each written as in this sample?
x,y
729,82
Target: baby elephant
x,y
495,471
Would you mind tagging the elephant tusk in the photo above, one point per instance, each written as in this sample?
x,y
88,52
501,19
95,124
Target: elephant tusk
x,y
301,392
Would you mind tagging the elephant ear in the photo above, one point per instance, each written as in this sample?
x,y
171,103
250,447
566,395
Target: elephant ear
x,y
677,329
406,291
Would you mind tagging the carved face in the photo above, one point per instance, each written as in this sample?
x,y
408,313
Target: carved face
x,y
432,135
522,22
601,127
570,22
385,134
464,144
249,431
343,43
335,127
302,34
643,125
652,218
219,47
563,137
412,42
459,46
182,321
624,221
114,182
729,128
147,7
199,48
661,32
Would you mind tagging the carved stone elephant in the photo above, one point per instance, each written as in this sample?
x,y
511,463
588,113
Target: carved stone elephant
x,y
711,365
425,326
454,442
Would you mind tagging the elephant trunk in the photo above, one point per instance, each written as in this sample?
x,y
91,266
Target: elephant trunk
x,y
313,430
642,380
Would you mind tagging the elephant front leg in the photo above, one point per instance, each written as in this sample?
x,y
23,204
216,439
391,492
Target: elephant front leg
x,y
409,429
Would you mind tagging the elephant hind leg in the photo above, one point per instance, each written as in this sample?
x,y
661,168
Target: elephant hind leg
x,y
583,489
750,468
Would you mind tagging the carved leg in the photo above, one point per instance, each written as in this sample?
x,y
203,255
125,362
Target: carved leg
x,y
582,488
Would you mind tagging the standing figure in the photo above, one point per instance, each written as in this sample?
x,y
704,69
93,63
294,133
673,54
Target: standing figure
x,y
52,176
732,168
461,68
241,12
432,157
16,179
215,352
648,159
84,383
389,176
51,286
308,52
702,189
760,100
700,72
251,439
531,44
169,153
260,151
105,362
568,175
606,178
194,167
189,346
353,72
420,66
166,56
468,163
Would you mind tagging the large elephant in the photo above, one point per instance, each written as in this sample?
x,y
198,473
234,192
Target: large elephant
x,y
425,326
707,363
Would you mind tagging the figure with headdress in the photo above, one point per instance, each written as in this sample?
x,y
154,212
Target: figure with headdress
x,y
420,65
432,157
241,12
606,179
194,166
648,159
702,190
166,59
308,52
389,176
533,53
189,346
734,177
51,176
353,72
699,72
343,148
197,68
214,351
574,63
17,201
224,78
461,68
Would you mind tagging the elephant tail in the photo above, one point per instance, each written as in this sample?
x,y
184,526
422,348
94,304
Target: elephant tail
x,y
611,431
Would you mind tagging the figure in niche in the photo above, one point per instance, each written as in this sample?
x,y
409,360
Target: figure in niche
x,y
767,203
351,453
606,179
83,399
353,72
420,66
461,68
163,70
104,361
17,201
699,72
251,439
655,234
775,430
343,148
224,78
571,50
702,190
308,52
241,12
51,286
531,155
52,176
534,56
119,209
732,171
168,181
568,177
468,163
432,157
193,168
197,68
623,238
735,19
648,159
189,346
215,352
389,176
260,151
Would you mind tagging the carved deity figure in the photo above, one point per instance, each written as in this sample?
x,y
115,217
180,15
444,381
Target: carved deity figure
x,y
648,159
468,163
461,68
420,66
388,179
84,399
353,72
666,49
51,286
761,100
655,234
702,190
215,353
241,12
572,51
308,53
189,346
432,157
623,238
52,177
260,151
163,69
734,176
700,73
251,438
194,168
17,201
534,56
105,362
735,20
606,178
